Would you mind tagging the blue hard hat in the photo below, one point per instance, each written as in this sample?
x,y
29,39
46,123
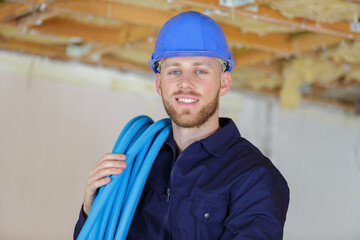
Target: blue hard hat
x,y
191,34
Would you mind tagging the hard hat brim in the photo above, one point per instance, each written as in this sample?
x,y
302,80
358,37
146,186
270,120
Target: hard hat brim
x,y
169,54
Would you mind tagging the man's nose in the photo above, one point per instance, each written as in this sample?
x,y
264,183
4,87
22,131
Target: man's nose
x,y
186,82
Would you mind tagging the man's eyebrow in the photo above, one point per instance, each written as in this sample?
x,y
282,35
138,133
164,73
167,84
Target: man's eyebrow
x,y
179,64
201,64
172,65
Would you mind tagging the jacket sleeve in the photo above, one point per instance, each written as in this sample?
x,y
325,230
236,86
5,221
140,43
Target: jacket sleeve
x,y
80,223
258,206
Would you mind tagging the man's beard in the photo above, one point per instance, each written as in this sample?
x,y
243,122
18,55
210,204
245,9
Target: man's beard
x,y
184,118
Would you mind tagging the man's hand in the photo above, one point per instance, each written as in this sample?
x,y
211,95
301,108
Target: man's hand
x,y
109,164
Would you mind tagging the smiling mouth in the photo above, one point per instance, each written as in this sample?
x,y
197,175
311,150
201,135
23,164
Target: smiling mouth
x,y
186,100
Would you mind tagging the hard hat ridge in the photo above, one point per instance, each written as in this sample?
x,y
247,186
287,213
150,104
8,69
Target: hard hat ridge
x,y
191,34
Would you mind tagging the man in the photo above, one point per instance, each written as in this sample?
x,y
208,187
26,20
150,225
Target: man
x,y
207,182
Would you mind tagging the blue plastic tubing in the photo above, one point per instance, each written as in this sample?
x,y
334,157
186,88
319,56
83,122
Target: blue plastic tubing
x,y
114,206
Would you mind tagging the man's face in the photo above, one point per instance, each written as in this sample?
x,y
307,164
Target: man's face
x,y
190,88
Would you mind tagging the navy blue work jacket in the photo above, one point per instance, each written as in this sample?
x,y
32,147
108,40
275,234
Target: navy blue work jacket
x,y
221,187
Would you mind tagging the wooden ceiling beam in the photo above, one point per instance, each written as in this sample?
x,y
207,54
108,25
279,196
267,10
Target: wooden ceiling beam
x,y
14,9
112,61
11,11
93,33
274,45
52,51
59,52
270,15
144,16
253,57
34,2
303,43
100,50
115,10
274,67
267,14
215,3
142,44
37,18
276,42
156,18
313,41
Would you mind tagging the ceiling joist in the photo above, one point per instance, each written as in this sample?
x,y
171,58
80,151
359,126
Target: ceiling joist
x,y
52,51
253,57
115,10
10,11
276,42
266,14
122,34
37,18
110,35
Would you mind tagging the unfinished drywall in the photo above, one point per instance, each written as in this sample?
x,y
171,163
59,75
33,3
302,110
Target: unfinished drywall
x,y
57,119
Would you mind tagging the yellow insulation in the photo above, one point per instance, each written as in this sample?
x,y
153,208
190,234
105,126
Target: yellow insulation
x,y
257,80
345,52
156,4
318,10
91,19
309,70
254,26
133,55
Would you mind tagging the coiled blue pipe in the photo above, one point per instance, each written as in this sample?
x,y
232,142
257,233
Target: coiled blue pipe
x,y
113,208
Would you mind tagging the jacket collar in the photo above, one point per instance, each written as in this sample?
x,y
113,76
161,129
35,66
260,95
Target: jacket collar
x,y
220,141
217,143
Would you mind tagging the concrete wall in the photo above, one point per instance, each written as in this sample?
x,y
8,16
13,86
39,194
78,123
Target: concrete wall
x,y
57,119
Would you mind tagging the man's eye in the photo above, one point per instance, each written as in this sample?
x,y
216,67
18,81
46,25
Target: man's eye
x,y
200,72
175,72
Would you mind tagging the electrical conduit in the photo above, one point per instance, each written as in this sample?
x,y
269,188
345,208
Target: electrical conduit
x,y
114,206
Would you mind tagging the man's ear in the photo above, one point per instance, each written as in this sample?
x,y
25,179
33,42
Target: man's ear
x,y
158,83
225,83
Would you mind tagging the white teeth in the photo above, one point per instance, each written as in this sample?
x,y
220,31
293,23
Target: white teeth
x,y
186,100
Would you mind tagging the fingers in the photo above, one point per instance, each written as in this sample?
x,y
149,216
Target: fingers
x,y
109,164
111,157
104,171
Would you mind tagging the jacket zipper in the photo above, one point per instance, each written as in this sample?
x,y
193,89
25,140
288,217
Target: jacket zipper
x,y
168,191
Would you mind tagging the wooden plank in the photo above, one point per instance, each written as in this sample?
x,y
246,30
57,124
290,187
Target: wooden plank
x,y
12,10
142,44
33,2
216,3
267,14
313,41
156,18
274,67
15,9
52,51
253,57
59,52
270,15
124,12
123,64
93,33
304,43
100,50
277,42
37,18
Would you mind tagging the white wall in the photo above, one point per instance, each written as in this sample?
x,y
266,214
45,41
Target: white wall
x,y
318,151
57,119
